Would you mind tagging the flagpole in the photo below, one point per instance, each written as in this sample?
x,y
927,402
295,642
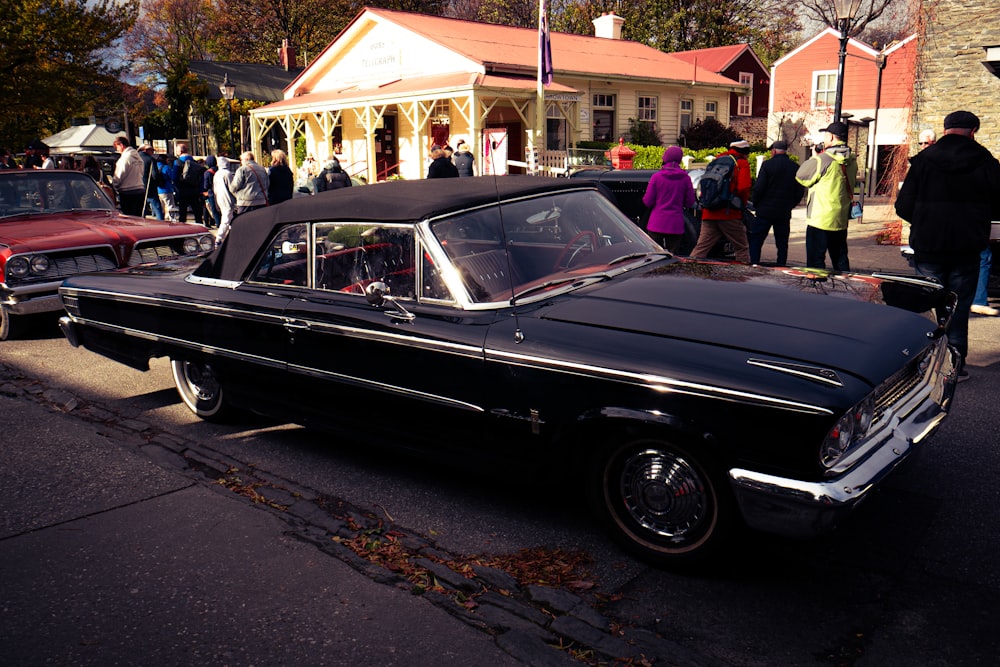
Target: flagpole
x,y
544,72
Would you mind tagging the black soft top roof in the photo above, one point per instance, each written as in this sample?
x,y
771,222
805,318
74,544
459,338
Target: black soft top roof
x,y
392,201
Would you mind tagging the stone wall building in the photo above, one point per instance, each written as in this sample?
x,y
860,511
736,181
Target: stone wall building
x,y
958,67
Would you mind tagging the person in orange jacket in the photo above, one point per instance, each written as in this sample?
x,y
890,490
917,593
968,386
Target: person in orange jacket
x,y
728,222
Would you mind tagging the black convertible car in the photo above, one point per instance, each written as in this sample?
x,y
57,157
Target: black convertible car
x,y
527,319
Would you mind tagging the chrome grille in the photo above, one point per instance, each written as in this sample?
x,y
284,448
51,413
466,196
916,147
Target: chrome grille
x,y
900,385
64,266
147,254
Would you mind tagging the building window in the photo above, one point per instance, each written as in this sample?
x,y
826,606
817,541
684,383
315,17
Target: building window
x,y
442,112
687,114
556,130
603,101
603,114
647,108
824,89
744,103
711,109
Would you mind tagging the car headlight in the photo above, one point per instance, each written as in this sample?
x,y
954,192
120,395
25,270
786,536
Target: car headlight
x,y
18,267
191,245
207,242
39,264
849,430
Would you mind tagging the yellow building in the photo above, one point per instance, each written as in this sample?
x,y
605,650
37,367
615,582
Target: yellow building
x,y
393,84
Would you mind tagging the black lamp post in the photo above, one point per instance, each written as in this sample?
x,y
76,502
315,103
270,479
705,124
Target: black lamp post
x,y
228,91
846,10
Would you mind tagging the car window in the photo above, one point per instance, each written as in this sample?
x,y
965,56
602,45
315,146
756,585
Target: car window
x,y
351,256
500,250
50,192
286,261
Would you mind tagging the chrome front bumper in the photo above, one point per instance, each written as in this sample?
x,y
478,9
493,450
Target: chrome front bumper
x,y
797,508
38,299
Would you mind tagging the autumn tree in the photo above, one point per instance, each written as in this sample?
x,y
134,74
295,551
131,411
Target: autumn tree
x,y
770,27
517,13
824,12
53,65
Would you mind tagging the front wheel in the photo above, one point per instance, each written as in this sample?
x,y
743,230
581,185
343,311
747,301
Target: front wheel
x,y
661,502
201,389
8,326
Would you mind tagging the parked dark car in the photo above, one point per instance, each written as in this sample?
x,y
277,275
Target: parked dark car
x,y
626,188
55,224
526,320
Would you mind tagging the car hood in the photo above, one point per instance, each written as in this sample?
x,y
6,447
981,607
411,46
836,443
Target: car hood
x,y
85,228
839,322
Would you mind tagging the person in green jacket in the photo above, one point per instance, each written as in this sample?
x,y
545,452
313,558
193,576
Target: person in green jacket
x,y
830,177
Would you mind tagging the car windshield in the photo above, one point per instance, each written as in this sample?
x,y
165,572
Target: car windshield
x,y
504,250
49,191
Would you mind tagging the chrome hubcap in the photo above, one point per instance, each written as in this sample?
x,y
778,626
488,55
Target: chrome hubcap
x,y
664,493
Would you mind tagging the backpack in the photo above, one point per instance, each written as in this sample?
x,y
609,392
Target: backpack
x,y
716,185
192,173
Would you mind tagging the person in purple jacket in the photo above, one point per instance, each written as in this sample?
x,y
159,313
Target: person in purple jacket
x,y
669,192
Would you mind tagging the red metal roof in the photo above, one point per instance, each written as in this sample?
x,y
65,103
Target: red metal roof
x,y
505,48
715,59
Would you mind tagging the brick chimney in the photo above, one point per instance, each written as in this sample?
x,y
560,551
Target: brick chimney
x,y
608,26
287,56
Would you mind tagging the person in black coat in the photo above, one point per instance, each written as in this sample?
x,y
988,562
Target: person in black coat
x,y
333,177
774,195
441,165
949,197
281,180
463,159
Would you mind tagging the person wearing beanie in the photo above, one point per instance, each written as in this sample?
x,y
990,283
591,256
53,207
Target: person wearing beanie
x,y
949,197
668,193
727,222
830,177
775,194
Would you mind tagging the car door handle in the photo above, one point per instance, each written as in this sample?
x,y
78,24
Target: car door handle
x,y
292,326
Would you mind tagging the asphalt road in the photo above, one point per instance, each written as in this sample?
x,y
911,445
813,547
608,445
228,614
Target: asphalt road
x,y
912,579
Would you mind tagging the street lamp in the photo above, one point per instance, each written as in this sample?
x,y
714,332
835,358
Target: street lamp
x,y
846,10
228,91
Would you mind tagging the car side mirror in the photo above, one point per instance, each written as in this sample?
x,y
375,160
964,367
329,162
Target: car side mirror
x,y
377,294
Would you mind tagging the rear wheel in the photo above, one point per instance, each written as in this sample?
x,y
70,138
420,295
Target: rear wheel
x,y
200,388
661,501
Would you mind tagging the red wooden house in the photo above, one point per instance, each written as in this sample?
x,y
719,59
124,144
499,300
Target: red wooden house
x,y
747,113
877,98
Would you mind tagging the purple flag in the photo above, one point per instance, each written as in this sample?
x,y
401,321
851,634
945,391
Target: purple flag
x,y
544,46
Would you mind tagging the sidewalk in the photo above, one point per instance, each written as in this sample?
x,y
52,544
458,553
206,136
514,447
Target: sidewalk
x,y
866,253
113,557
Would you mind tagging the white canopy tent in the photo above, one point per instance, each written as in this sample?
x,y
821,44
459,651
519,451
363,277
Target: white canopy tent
x,y
81,139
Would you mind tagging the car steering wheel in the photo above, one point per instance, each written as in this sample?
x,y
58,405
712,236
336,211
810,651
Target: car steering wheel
x,y
569,247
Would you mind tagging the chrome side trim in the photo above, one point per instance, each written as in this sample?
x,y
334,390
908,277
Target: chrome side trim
x,y
75,322
391,338
823,375
158,301
383,387
657,382
178,342
213,282
909,280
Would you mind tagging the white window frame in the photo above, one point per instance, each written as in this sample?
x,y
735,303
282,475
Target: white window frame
x,y
647,108
744,103
711,109
686,108
830,91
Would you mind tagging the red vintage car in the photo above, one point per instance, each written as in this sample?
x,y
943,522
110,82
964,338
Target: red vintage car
x,y
55,224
